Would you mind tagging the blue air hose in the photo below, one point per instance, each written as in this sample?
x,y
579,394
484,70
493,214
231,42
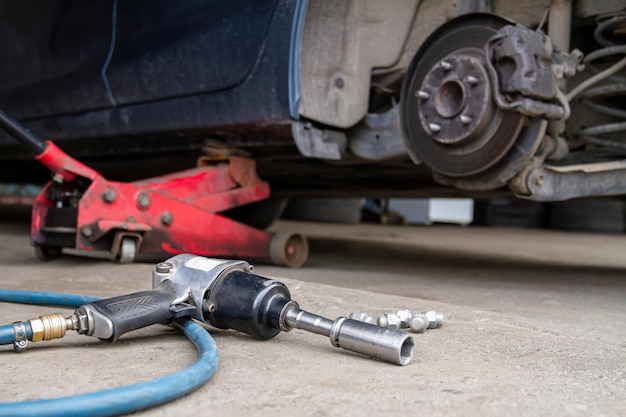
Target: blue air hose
x,y
45,298
121,400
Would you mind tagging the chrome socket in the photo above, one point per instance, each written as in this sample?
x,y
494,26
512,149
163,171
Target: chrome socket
x,y
356,336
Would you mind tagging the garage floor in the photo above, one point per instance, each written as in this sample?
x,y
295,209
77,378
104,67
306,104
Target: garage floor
x,y
535,325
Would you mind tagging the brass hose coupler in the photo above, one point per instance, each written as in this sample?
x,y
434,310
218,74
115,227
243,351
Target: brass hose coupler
x,y
51,326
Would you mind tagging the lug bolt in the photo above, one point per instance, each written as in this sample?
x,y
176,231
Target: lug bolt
x,y
465,119
434,127
389,320
418,323
471,80
435,319
364,317
108,195
422,95
445,65
405,317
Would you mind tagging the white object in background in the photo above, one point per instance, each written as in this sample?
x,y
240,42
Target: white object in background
x,y
451,210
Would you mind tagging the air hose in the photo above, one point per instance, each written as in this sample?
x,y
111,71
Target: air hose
x,y
117,401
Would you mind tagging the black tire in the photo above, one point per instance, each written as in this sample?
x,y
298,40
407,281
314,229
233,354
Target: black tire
x,y
606,216
331,210
260,214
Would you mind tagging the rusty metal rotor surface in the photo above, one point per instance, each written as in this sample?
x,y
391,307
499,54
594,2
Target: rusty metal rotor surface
x,y
449,119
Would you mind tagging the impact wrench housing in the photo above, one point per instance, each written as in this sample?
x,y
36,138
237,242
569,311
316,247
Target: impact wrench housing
x,y
227,295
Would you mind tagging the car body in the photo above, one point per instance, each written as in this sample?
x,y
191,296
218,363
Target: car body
x,y
327,96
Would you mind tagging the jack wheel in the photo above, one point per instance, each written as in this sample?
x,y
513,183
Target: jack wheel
x,y
289,249
128,250
47,253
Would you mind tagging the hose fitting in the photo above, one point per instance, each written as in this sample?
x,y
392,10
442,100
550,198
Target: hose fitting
x,y
46,327
21,337
52,326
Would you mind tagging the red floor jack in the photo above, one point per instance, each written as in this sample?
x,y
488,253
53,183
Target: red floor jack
x,y
153,218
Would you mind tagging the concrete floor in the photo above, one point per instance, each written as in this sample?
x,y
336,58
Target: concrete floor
x,y
535,325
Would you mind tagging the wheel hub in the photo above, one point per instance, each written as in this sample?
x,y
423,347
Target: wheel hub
x,y
450,121
455,98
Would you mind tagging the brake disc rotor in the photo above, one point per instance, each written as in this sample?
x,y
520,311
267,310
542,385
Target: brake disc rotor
x,y
449,119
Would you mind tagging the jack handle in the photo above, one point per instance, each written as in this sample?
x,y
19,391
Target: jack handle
x,y
63,167
32,143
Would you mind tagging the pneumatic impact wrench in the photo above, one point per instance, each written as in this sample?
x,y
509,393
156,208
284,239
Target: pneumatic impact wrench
x,y
227,295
